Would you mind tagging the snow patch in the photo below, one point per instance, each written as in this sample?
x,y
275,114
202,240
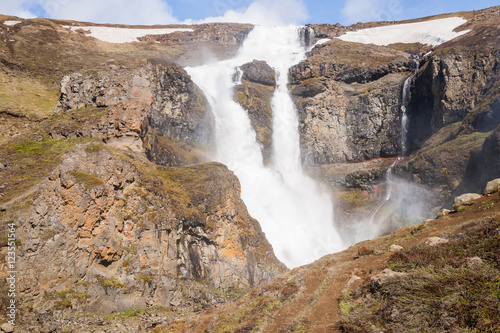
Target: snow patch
x,y
432,32
11,22
322,41
124,35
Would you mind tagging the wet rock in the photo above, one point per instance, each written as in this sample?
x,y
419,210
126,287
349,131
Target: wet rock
x,y
256,100
179,119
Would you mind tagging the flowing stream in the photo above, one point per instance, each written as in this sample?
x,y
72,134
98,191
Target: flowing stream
x,y
294,212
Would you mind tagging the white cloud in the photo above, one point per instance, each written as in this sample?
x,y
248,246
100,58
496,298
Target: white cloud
x,y
265,12
371,10
15,8
148,12
112,11
98,11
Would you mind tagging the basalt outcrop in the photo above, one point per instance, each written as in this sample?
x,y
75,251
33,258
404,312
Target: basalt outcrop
x,y
348,98
136,234
160,110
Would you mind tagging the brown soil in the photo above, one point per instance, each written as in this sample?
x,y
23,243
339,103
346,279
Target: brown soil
x,y
315,306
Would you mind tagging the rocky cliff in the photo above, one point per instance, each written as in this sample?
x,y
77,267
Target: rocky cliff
x,y
137,235
116,208
104,227
348,98
258,81
454,111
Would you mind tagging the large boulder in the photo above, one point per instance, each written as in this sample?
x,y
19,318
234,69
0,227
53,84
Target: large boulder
x,y
386,276
466,198
492,186
259,72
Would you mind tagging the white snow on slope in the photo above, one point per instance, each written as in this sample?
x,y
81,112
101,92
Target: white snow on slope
x,y
432,32
11,22
322,41
124,35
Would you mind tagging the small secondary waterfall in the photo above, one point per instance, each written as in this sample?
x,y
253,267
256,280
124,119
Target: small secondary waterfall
x,y
371,228
405,99
293,211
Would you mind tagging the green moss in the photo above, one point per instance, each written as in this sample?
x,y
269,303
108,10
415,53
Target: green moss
x,y
111,282
87,180
488,204
34,160
25,96
345,306
48,235
146,278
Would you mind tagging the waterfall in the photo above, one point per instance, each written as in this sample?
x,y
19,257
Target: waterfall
x,y
371,228
294,212
405,99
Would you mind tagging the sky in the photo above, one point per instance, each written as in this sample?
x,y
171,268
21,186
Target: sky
x,y
149,12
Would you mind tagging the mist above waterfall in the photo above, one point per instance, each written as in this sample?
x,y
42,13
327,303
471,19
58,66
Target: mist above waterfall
x,y
295,212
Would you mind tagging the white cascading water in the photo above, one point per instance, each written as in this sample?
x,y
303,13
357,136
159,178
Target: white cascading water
x,y
370,230
405,97
294,212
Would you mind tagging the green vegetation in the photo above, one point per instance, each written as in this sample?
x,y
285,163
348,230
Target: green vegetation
x,y
87,180
111,282
31,159
23,96
444,291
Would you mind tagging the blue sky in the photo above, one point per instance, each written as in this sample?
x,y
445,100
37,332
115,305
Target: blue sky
x,y
254,11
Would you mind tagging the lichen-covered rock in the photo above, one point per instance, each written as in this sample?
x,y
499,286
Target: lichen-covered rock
x,y
386,276
466,198
128,233
434,241
395,248
260,72
108,88
256,100
154,108
492,186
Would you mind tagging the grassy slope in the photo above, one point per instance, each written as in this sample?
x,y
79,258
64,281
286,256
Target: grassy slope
x,y
442,291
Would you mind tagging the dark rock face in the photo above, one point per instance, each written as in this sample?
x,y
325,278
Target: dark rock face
x,y
164,110
179,120
327,30
448,88
348,99
179,109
